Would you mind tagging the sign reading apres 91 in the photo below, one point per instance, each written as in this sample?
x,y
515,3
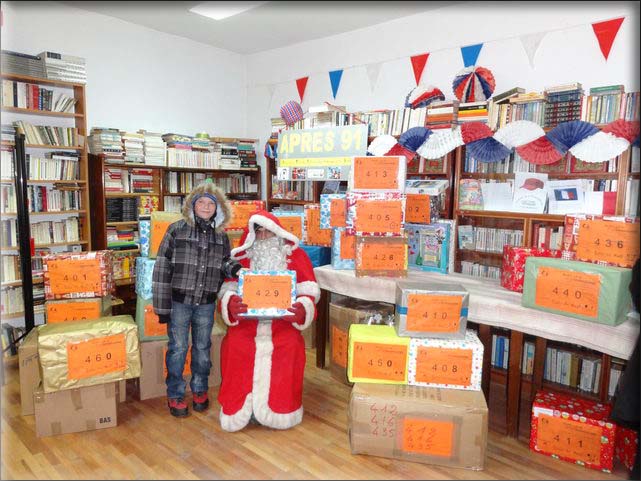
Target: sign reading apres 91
x,y
321,147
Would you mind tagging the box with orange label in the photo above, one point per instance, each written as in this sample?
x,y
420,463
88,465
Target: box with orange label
x,y
293,222
70,275
85,353
573,429
343,249
333,210
445,427
376,354
83,309
431,310
160,222
375,214
378,174
446,363
313,235
577,289
423,199
149,327
241,210
381,256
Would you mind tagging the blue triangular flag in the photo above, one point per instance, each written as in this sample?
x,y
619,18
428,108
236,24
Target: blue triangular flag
x,y
335,79
471,54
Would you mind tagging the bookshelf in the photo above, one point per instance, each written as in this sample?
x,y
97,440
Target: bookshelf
x,y
59,199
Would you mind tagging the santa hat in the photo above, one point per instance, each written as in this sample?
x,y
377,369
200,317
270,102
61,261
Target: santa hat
x,y
270,222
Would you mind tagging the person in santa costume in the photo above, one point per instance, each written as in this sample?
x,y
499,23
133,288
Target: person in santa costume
x,y
263,361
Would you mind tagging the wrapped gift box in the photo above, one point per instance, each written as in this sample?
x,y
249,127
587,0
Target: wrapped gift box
x,y
149,329
234,237
447,363
375,214
319,256
71,275
78,309
313,234
343,249
572,429
376,354
512,271
431,310
241,210
381,256
626,446
333,210
423,203
144,229
426,425
160,222
86,353
144,274
263,296
428,247
577,289
378,174
293,222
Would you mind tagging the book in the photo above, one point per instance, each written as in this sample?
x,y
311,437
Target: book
x,y
507,94
466,237
470,194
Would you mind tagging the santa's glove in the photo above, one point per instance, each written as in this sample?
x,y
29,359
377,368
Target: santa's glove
x,y
299,314
235,307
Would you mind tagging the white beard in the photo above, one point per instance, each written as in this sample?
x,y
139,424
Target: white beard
x,y
268,254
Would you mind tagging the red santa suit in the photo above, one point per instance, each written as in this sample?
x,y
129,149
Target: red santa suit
x,y
263,363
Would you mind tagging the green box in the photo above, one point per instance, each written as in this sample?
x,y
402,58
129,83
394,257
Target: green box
x,y
146,319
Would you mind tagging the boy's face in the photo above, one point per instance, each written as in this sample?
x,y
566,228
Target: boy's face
x,y
205,208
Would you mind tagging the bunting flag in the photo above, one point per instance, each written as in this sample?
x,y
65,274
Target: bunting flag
x,y
335,80
531,45
471,54
418,64
606,32
373,71
301,85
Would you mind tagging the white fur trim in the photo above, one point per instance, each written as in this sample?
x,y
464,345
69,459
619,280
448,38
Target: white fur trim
x,y
227,290
268,224
240,419
309,312
308,288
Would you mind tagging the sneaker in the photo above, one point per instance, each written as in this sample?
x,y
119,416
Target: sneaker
x,y
178,408
200,401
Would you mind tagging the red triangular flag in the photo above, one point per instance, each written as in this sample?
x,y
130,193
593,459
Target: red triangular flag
x,y
606,32
301,85
418,64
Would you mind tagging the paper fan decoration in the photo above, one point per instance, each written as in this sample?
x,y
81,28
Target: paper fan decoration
x,y
473,84
471,131
398,149
519,132
291,112
422,96
568,134
487,150
625,129
599,147
440,143
381,145
540,151
413,138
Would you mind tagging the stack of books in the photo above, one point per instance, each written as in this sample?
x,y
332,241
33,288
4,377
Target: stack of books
x,y
68,68
278,124
201,142
604,105
498,108
229,158
154,148
22,64
247,154
178,141
563,103
107,142
442,115
472,112
530,106
132,144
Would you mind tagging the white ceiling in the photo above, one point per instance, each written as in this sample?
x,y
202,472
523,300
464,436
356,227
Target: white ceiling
x,y
272,25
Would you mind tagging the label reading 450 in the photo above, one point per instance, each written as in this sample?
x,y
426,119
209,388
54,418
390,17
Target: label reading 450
x,y
379,361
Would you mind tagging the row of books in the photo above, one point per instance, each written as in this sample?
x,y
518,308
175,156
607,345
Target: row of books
x,y
11,300
475,269
9,233
68,68
547,237
49,199
54,166
48,232
122,209
49,135
7,169
10,267
8,198
32,96
487,239
192,159
183,182
292,189
128,180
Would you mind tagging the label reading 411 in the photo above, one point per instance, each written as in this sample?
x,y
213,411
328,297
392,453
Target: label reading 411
x,y
379,361
569,439
568,291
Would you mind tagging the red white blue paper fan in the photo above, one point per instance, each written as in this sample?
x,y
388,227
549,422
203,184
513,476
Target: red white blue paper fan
x,y
422,96
471,131
519,132
487,150
627,129
381,145
599,147
398,149
540,151
291,112
473,84
440,143
413,138
568,134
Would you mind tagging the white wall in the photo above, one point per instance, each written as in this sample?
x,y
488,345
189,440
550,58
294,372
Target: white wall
x,y
137,78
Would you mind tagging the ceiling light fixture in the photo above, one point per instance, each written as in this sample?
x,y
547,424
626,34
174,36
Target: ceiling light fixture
x,y
221,10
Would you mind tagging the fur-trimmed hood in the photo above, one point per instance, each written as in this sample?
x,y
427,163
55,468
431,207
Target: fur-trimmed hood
x,y
223,207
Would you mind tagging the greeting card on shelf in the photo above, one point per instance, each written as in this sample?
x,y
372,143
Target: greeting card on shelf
x,y
565,196
497,196
530,194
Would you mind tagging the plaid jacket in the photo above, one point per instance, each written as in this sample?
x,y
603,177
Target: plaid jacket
x,y
192,262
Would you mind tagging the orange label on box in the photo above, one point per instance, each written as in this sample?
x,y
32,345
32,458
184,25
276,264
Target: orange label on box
x,y
339,346
316,235
234,241
417,208
348,246
428,313
264,292
376,173
152,326
568,291
186,369
337,212
72,311
158,229
570,439
379,361
378,216
240,214
94,357
384,257
440,365
74,275
612,242
292,224
428,436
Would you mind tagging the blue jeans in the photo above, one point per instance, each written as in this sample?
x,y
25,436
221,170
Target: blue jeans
x,y
201,320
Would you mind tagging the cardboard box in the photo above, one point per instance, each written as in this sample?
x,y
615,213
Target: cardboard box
x,y
85,309
293,222
29,368
376,354
513,269
144,273
121,390
626,446
160,222
378,174
75,410
375,214
446,363
381,256
86,353
149,327
342,314
572,429
577,289
69,275
343,249
425,425
313,235
431,310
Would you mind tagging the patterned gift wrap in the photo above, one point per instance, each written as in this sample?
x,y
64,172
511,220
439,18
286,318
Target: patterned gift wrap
x,y
71,275
313,234
293,222
343,249
376,354
513,269
427,192
241,210
381,256
268,312
326,202
144,273
428,247
144,227
573,429
446,363
393,204
626,446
